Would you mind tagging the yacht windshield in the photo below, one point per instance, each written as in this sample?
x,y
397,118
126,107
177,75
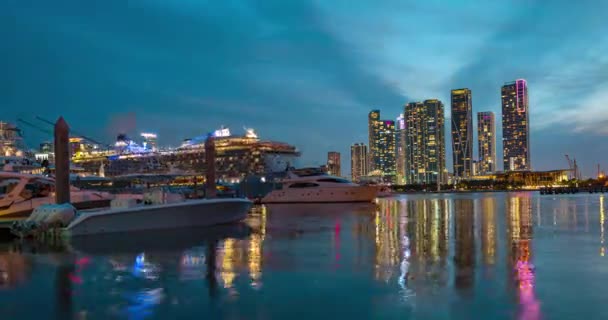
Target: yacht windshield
x,y
333,180
7,185
303,185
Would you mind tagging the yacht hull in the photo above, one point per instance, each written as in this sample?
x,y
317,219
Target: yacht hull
x,y
344,194
24,211
192,213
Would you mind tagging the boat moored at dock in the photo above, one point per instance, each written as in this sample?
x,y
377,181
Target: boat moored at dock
x,y
136,217
21,193
313,186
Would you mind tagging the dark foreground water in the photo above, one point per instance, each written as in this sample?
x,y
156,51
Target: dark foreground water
x,y
466,256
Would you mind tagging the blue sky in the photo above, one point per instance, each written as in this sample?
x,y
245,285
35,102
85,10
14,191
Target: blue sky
x,y
304,72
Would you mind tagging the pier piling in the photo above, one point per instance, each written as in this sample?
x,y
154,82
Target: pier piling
x,y
210,191
62,162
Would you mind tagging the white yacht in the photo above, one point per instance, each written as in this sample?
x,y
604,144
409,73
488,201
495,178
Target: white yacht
x,y
21,193
313,186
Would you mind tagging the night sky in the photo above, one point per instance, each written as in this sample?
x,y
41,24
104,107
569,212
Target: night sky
x,y
304,72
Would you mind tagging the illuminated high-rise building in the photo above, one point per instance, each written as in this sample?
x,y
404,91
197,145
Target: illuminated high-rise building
x,y
149,141
424,142
462,132
373,123
515,126
381,144
400,148
486,137
358,161
384,159
333,163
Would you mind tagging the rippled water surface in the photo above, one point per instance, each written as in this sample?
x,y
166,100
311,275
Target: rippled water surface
x,y
465,256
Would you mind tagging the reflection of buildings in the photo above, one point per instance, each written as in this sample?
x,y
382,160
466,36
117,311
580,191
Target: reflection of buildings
x,y
464,237
13,270
254,257
388,254
488,230
429,235
602,218
519,234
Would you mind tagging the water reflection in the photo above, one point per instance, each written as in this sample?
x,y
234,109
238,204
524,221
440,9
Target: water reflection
x,y
602,221
14,270
423,256
464,234
520,231
488,230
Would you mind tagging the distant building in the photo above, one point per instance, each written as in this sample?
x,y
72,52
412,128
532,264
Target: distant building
x,y
11,141
150,141
515,126
373,124
462,132
486,136
334,163
46,152
46,147
400,135
425,142
358,161
381,144
385,158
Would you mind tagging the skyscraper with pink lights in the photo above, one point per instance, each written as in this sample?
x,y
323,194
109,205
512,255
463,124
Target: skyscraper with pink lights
x,y
515,126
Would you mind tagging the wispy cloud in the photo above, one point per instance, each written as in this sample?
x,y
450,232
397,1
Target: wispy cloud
x,y
301,70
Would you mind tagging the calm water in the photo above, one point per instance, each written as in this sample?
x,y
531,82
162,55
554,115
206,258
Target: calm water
x,y
469,256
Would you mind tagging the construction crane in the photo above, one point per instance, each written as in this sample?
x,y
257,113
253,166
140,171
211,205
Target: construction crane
x,y
573,168
76,133
29,124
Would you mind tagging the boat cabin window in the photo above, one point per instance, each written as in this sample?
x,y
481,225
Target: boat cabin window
x,y
303,185
334,180
7,186
37,189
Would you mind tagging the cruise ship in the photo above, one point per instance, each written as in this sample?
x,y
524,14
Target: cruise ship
x,y
237,156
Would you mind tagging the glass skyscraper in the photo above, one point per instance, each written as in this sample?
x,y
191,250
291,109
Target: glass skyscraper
x,y
486,137
462,132
400,148
334,163
373,123
382,144
358,161
515,126
424,142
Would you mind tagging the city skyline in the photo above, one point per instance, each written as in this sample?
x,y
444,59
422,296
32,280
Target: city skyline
x,y
302,68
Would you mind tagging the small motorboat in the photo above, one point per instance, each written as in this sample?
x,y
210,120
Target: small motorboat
x,y
159,210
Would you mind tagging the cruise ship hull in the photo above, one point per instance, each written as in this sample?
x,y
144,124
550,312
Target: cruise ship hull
x,y
343,194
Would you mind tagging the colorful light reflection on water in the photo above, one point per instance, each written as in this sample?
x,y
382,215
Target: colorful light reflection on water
x,y
469,256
